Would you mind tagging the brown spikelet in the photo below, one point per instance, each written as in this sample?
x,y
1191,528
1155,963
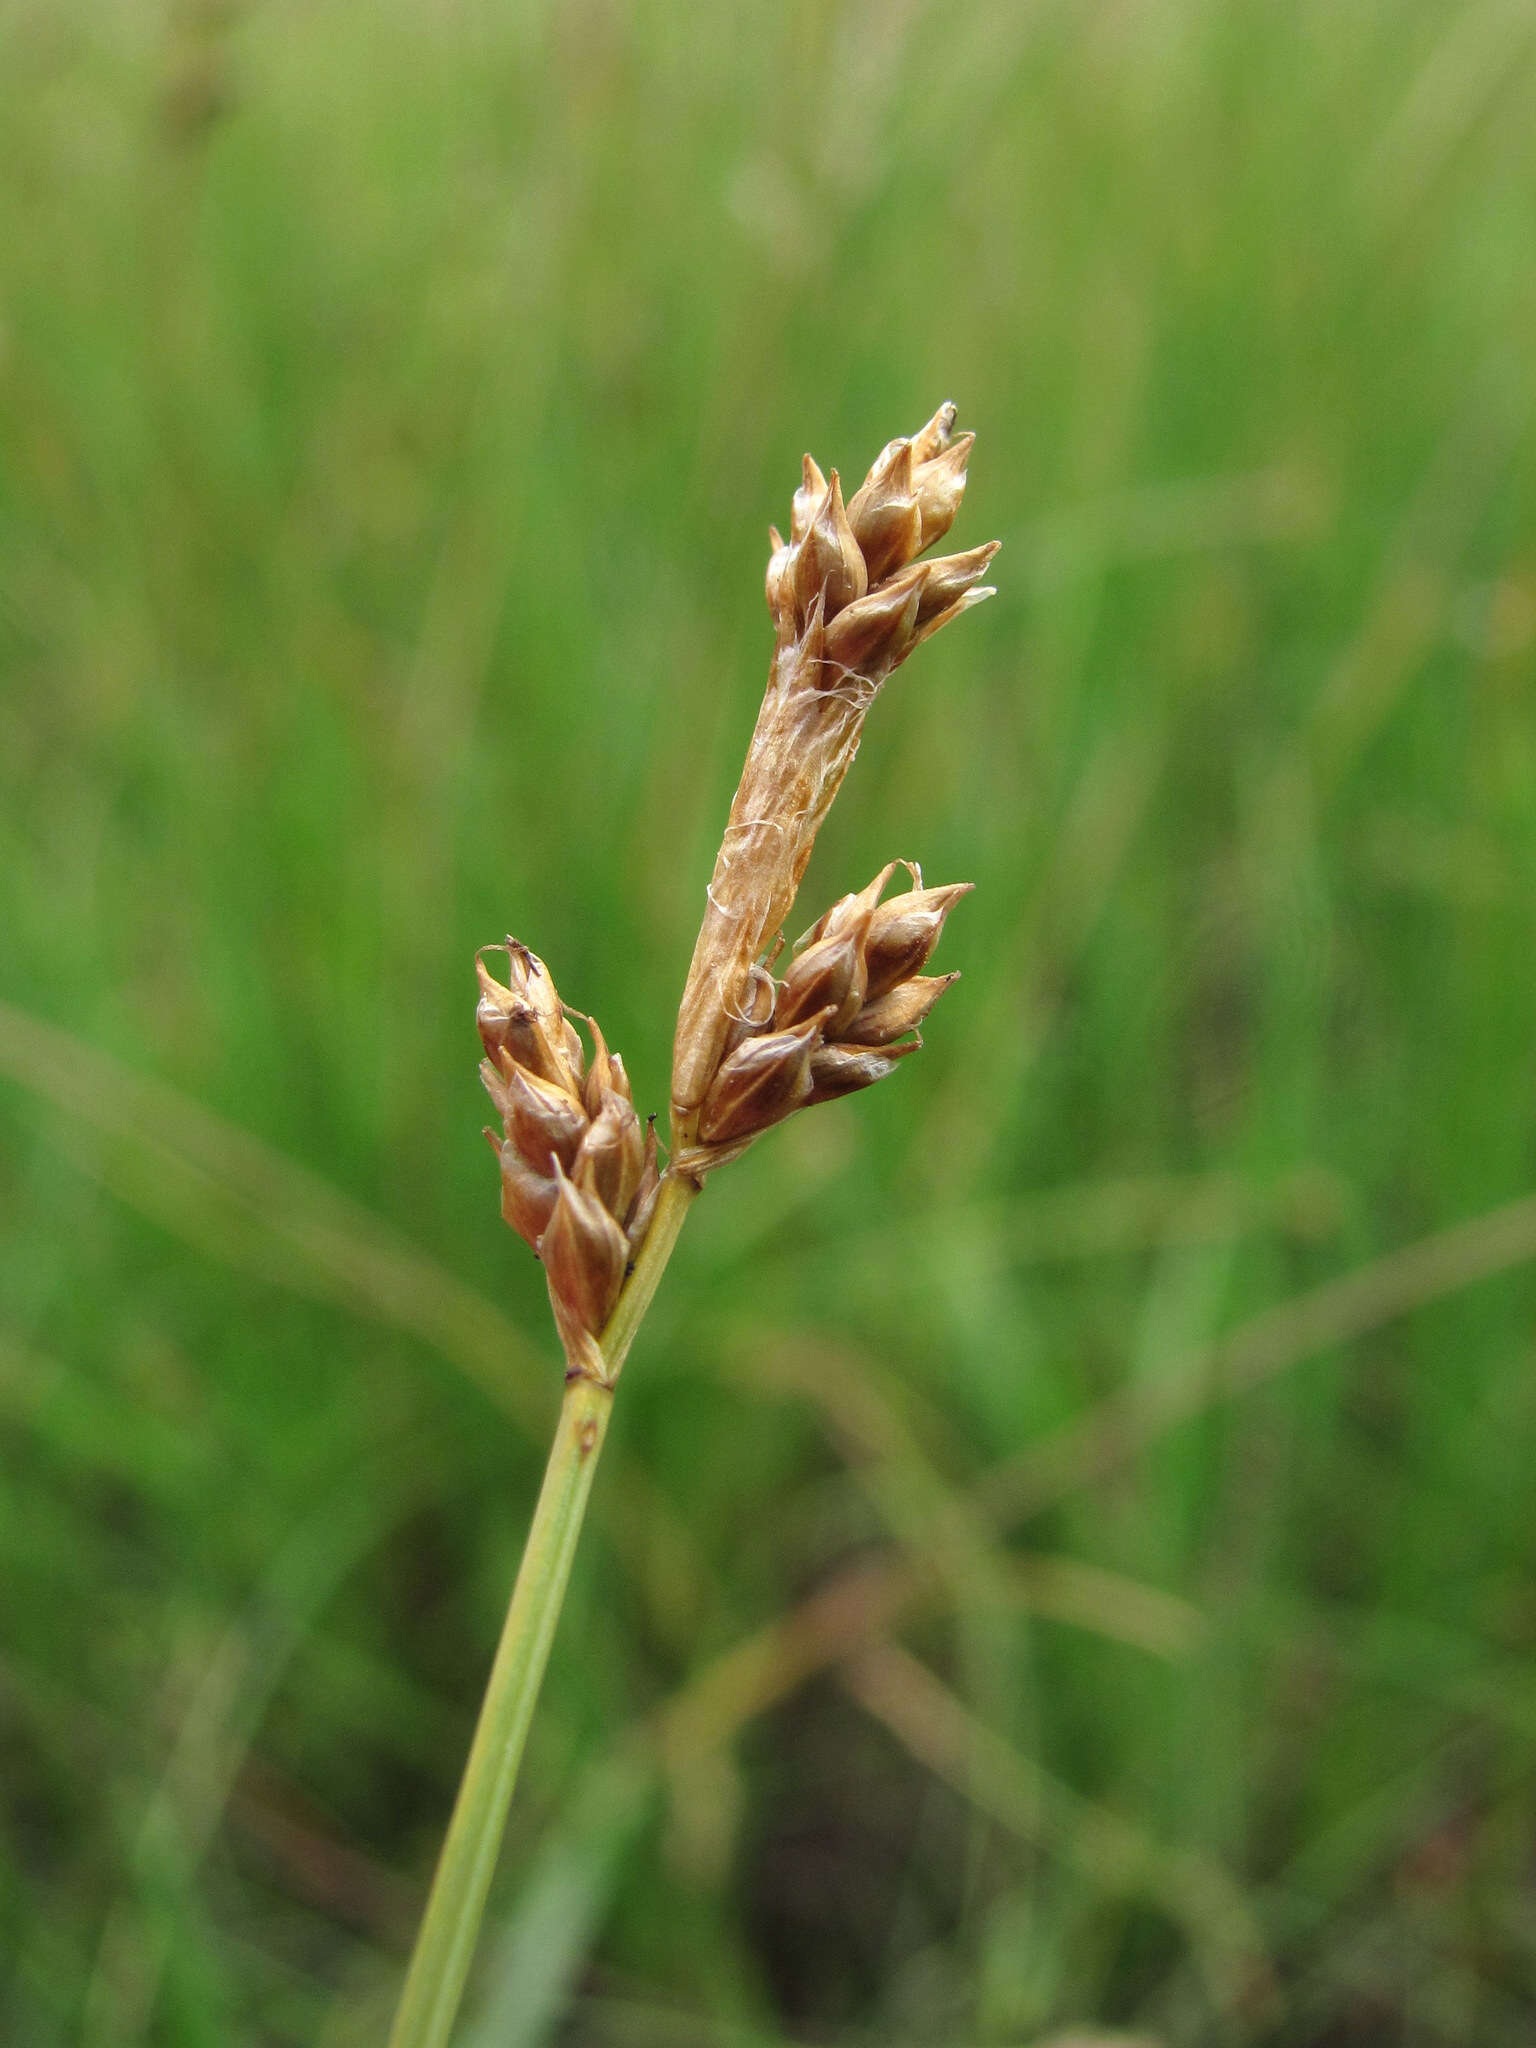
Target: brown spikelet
x,y
813,488
584,1253
894,940
611,1156
525,1018
527,1198
828,976
885,515
845,1013
762,1081
877,632
945,581
841,1069
897,1012
544,1122
578,1175
849,603
938,485
645,1195
903,933
827,562
935,435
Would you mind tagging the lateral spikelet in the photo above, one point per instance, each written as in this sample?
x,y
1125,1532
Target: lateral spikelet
x,y
846,1011
578,1174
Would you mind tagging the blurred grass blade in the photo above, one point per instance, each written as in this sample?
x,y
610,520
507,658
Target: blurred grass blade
x,y
1111,1851
538,1953
229,1685
1335,1313
220,1189
855,1607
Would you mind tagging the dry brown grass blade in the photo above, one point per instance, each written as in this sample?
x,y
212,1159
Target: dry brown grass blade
x,y
853,1610
1106,1603
213,1184
861,1605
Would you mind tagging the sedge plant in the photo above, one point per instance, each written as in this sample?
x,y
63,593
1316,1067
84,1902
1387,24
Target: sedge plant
x,y
852,593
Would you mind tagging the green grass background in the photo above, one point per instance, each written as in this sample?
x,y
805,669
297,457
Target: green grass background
x,y
392,404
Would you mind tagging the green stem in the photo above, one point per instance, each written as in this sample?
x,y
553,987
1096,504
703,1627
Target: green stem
x,y
445,1943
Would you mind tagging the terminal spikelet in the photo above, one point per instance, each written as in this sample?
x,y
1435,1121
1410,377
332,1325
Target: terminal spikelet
x,y
578,1175
850,600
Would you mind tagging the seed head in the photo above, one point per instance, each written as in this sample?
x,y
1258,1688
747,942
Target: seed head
x,y
578,1175
846,1011
849,602
850,596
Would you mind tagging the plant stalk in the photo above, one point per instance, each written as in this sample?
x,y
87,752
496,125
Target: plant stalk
x,y
445,1943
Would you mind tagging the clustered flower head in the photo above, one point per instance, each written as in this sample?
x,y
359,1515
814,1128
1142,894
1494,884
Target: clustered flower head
x,y
850,600
851,593
877,601
846,1011
578,1174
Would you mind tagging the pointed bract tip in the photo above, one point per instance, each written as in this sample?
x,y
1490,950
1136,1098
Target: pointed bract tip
x,y
898,1011
939,486
812,489
933,436
842,1069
